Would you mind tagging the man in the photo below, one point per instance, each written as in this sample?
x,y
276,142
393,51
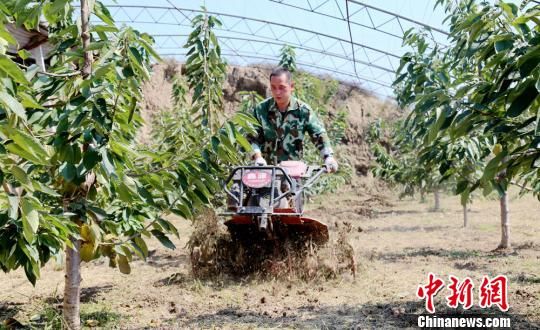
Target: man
x,y
284,120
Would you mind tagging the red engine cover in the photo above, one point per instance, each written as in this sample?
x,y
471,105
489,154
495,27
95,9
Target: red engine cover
x,y
294,168
257,178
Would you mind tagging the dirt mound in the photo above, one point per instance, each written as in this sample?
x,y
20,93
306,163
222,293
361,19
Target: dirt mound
x,y
214,253
245,79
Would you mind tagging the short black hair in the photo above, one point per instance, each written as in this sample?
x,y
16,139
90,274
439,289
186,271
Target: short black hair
x,y
279,71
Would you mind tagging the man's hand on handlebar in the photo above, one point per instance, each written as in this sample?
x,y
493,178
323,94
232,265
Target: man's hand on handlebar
x,y
330,164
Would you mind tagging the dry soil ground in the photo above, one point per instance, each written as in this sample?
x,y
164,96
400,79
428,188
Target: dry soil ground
x,y
396,247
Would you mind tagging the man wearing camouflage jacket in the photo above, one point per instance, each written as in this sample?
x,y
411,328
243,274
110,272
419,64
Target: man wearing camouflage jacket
x,y
284,120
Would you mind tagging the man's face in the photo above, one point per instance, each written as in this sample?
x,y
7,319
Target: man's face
x,y
281,90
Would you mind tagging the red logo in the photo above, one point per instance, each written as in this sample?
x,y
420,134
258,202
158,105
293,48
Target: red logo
x,y
491,292
257,179
429,291
461,293
494,292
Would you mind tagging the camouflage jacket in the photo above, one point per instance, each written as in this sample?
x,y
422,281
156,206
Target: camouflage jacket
x,y
280,136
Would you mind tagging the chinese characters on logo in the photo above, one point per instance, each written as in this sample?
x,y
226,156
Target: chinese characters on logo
x,y
491,292
429,291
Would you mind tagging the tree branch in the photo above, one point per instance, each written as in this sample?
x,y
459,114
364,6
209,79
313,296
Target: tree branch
x,y
6,188
522,186
194,150
137,234
57,75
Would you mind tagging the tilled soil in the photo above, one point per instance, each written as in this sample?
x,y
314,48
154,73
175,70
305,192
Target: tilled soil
x,y
396,243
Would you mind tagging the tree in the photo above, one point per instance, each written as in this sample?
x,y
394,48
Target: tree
x,y
72,174
288,58
484,83
397,160
459,163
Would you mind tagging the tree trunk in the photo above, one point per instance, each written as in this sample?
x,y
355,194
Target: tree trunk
x,y
465,216
72,289
437,197
505,222
85,35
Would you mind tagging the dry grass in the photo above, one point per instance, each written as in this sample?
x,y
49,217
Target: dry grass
x,y
394,250
215,255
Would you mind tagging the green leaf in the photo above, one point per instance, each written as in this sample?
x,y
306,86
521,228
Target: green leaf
x,y
12,70
202,188
492,166
146,195
132,108
29,102
29,144
24,54
509,8
30,220
12,104
124,193
461,186
168,226
13,206
503,45
215,143
123,264
45,189
149,49
20,174
200,196
31,266
182,210
103,13
528,62
434,129
6,35
96,45
522,100
17,150
68,171
242,140
31,72
499,187
141,244
107,163
136,61
537,132
90,159
163,239
104,28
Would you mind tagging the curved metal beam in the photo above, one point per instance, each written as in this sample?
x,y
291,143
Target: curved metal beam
x,y
309,49
254,20
400,16
342,18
